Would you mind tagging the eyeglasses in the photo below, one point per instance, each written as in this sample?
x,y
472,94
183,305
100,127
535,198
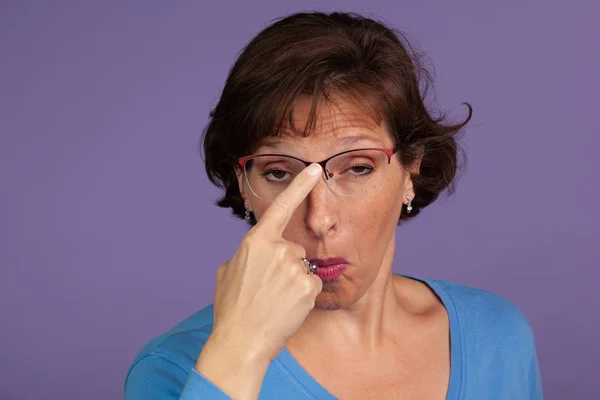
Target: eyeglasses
x,y
357,172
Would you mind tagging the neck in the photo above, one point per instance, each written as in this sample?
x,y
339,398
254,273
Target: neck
x,y
366,323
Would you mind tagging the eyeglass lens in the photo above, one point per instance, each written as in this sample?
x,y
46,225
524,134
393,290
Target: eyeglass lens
x,y
356,173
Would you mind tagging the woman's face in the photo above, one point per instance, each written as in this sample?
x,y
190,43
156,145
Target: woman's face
x,y
359,229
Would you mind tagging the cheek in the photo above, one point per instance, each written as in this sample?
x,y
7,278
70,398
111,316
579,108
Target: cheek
x,y
383,206
386,216
295,230
259,207
376,217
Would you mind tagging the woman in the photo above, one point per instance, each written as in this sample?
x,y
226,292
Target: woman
x,y
322,142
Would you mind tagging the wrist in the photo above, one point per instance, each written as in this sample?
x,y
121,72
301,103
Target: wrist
x,y
244,351
237,368
247,349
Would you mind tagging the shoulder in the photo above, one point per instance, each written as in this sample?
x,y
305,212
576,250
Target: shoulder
x,y
485,316
492,342
174,352
482,305
182,335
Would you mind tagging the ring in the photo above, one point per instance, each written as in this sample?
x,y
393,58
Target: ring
x,y
310,268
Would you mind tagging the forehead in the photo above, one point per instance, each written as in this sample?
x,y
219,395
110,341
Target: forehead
x,y
337,123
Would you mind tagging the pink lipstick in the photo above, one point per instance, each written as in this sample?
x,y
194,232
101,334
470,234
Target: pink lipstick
x,y
331,268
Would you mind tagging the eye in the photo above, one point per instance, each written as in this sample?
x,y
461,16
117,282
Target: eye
x,y
276,175
360,170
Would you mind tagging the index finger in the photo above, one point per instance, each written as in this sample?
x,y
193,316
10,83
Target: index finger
x,y
279,213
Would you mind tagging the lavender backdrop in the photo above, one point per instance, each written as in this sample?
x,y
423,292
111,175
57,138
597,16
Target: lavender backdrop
x,y
108,234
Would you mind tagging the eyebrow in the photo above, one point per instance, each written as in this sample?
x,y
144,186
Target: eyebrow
x,y
346,140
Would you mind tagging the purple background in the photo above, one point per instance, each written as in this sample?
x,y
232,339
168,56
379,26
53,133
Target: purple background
x,y
108,234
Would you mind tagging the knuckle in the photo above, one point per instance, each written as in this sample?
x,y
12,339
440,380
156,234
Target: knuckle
x,y
244,248
307,288
318,285
221,269
300,267
251,235
280,250
294,268
290,249
297,249
221,272
253,239
293,250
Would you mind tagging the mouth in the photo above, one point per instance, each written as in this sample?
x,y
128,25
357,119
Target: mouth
x,y
330,269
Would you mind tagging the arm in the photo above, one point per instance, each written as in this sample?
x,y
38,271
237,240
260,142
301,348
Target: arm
x,y
262,297
155,377
238,370
535,380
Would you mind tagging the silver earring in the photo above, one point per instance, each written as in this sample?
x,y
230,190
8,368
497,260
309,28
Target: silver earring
x,y
247,214
409,206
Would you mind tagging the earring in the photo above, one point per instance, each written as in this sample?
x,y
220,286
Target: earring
x,y
247,214
409,206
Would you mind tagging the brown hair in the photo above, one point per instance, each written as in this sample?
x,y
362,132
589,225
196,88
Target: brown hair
x,y
325,56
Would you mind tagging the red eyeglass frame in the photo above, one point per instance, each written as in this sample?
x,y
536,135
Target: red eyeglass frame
x,y
388,152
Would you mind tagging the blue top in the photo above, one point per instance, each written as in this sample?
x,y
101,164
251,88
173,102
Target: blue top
x,y
493,356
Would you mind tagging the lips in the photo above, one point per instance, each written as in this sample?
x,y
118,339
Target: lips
x,y
331,268
328,261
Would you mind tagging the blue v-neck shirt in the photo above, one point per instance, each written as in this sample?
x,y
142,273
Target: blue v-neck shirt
x,y
493,356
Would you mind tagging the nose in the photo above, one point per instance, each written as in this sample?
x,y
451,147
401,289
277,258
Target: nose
x,y
322,212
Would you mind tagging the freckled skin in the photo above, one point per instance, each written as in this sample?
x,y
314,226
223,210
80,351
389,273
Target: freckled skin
x,y
360,229
390,331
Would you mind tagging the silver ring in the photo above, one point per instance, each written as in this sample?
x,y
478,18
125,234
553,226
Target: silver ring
x,y
310,268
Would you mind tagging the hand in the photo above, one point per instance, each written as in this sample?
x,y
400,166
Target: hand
x,y
264,293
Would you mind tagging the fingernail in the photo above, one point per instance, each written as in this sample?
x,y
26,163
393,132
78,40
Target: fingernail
x,y
314,169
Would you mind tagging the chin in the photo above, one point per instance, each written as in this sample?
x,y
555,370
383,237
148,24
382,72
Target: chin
x,y
327,305
331,298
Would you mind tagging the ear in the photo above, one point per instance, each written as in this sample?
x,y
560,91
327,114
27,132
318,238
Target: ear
x,y
241,181
408,188
413,169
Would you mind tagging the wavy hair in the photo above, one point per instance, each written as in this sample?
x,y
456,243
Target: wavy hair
x,y
328,56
